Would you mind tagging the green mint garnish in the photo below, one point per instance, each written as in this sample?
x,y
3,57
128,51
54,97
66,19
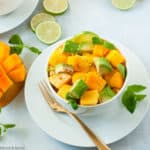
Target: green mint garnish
x,y
17,45
130,97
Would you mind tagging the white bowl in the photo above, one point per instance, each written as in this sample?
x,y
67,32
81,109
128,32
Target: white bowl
x,y
95,109
7,6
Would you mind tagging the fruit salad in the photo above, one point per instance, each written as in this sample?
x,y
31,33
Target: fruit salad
x,y
86,70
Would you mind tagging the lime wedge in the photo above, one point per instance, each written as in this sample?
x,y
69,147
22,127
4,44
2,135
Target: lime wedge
x,y
48,32
55,6
39,18
123,4
84,37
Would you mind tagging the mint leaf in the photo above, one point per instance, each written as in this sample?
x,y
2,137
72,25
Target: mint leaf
x,y
122,70
9,126
136,88
71,47
128,99
109,45
16,49
130,96
139,97
5,127
97,40
15,39
35,50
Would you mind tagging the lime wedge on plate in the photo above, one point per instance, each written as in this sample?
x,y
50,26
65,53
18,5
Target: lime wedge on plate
x,y
123,4
48,32
39,18
55,6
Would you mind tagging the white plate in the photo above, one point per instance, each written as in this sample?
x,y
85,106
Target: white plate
x,y
12,20
110,125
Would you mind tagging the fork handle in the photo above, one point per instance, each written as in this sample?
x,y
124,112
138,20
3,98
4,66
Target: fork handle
x,y
98,142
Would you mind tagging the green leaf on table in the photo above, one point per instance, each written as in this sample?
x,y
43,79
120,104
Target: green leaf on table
x,y
16,49
139,97
97,40
136,88
9,126
5,127
34,50
129,101
130,96
15,39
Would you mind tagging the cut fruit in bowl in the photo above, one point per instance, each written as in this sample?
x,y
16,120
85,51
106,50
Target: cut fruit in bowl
x,y
86,78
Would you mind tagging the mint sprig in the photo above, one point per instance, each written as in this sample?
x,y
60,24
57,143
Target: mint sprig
x,y
5,127
130,97
17,45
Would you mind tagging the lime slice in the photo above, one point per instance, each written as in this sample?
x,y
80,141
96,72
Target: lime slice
x,y
84,37
48,32
55,6
123,4
39,18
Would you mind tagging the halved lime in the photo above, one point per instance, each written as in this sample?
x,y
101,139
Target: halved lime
x,y
39,18
48,32
55,6
123,4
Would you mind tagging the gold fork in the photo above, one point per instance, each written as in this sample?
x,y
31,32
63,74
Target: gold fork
x,y
59,108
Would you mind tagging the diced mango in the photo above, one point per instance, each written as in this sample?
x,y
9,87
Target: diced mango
x,y
89,98
89,57
5,82
58,57
58,80
115,58
19,74
79,63
95,81
79,75
116,80
64,90
11,62
4,51
100,51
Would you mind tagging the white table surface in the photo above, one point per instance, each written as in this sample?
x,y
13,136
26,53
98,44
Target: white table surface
x,y
132,28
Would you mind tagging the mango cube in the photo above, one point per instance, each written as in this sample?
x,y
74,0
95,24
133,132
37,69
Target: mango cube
x,y
64,90
100,50
115,58
11,62
89,98
95,81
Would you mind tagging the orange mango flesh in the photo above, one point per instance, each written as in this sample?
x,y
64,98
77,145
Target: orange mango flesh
x,y
11,62
18,74
5,82
12,75
4,51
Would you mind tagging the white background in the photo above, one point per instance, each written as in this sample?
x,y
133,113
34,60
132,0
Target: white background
x,y
132,28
